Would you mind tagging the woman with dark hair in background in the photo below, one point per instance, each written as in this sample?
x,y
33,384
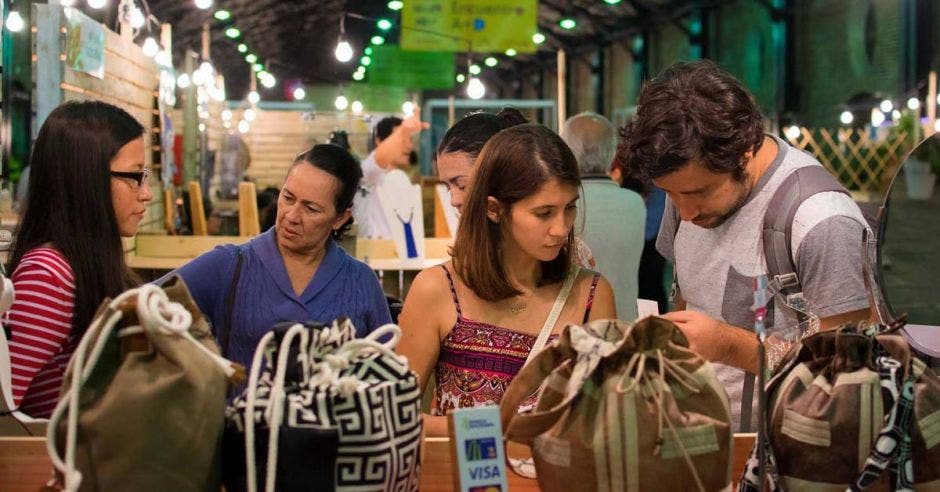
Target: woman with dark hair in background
x,y
462,144
512,256
88,188
294,271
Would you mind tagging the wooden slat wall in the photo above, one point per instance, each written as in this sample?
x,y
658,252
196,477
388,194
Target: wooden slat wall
x,y
276,137
130,82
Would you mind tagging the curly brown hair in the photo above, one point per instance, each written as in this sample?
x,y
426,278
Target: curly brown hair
x,y
692,111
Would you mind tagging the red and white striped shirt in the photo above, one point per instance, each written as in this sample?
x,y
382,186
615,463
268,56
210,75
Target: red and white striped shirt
x,y
40,322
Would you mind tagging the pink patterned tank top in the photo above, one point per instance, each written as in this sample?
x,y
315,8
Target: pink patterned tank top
x,y
477,361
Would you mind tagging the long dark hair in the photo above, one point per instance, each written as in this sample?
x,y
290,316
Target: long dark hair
x,y
513,165
69,201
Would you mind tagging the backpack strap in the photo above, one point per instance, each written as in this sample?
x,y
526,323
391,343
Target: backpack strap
x,y
778,228
225,336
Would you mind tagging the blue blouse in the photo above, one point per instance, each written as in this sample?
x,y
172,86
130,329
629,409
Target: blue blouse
x,y
341,287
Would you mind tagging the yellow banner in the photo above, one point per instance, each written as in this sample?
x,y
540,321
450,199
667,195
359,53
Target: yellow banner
x,y
469,25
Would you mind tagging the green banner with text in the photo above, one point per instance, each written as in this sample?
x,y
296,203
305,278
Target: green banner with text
x,y
469,25
393,66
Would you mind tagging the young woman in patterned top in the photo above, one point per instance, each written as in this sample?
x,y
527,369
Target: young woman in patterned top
x,y
87,188
474,320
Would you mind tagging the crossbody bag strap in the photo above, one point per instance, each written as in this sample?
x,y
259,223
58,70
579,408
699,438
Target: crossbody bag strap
x,y
226,333
554,313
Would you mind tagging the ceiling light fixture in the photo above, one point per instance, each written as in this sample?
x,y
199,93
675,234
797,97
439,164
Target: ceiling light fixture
x,y
14,21
475,88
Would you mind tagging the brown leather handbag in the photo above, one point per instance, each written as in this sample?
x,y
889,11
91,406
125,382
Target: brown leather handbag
x,y
622,407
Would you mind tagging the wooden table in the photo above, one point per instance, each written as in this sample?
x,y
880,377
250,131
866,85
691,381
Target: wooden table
x,y
25,466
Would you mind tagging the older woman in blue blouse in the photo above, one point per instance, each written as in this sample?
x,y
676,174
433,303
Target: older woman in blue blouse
x,y
295,271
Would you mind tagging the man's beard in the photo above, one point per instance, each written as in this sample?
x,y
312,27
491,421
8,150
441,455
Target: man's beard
x,y
739,202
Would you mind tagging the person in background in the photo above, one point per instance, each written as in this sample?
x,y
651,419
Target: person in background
x,y
512,254
699,136
462,144
393,148
88,188
651,274
294,271
613,217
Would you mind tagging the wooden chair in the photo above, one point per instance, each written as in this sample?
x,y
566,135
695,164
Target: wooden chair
x,y
197,213
248,223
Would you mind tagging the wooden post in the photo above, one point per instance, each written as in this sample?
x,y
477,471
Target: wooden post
x,y
190,123
931,103
450,111
562,89
248,223
169,211
197,214
205,41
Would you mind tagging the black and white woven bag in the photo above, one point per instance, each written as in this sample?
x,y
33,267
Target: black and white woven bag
x,y
325,411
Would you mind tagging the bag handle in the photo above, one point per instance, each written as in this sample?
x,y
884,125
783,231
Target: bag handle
x,y
560,301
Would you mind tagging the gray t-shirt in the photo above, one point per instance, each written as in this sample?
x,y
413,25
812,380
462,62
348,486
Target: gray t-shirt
x,y
716,268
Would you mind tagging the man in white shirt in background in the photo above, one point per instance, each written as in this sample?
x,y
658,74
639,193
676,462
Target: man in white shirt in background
x,y
614,217
393,148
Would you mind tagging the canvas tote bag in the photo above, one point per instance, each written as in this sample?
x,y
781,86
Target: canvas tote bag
x,y
324,410
143,398
622,407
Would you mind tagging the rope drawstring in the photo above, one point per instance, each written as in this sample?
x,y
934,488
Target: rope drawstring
x,y
636,373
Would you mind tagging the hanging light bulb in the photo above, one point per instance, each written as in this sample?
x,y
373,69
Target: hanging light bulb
x,y
14,21
344,51
97,4
249,115
66,3
254,97
886,106
299,93
846,117
877,117
913,103
341,102
203,4
474,69
226,115
267,79
408,108
475,88
163,59
356,107
151,48
135,18
198,77
202,127
359,75
183,81
792,132
461,78
243,126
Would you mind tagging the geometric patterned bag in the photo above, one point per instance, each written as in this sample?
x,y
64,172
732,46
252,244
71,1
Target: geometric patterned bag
x,y
323,410
843,408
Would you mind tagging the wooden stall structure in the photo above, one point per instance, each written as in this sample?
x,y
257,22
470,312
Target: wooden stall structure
x,y
128,79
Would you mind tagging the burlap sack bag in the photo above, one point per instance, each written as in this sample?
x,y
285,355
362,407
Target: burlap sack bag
x,y
143,398
849,410
622,407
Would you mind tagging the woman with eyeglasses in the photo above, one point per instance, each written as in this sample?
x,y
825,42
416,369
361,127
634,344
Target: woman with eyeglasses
x,y
88,189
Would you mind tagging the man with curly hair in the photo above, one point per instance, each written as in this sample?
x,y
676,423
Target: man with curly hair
x,y
699,136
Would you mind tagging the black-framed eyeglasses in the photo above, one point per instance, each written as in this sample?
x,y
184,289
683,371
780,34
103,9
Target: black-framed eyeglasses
x,y
138,176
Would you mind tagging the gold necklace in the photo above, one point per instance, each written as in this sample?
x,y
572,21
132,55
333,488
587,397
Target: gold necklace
x,y
517,310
